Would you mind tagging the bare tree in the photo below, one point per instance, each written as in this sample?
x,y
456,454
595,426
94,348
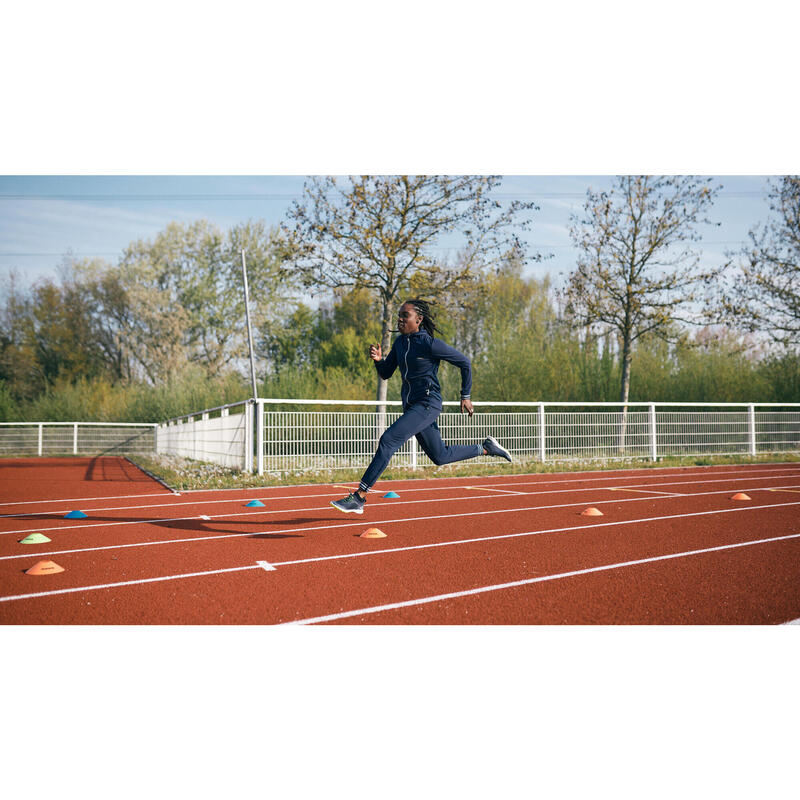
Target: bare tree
x,y
763,290
377,232
636,274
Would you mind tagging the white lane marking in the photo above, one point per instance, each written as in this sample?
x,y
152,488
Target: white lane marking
x,y
266,489
262,512
78,499
793,622
529,581
266,566
384,551
223,517
496,487
205,517
487,489
109,524
128,583
326,527
645,491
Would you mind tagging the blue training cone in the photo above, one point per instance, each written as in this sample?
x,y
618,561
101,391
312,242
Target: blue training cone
x,y
75,515
254,504
391,494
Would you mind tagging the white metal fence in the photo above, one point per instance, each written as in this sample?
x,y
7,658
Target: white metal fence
x,y
76,438
276,435
335,434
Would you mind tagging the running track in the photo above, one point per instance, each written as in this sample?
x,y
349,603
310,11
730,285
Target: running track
x,y
672,547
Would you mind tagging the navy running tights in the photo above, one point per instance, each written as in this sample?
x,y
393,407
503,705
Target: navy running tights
x,y
418,420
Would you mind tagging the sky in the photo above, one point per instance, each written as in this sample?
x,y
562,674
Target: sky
x,y
43,218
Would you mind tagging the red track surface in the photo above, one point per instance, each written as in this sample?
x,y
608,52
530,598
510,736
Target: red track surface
x,y
672,547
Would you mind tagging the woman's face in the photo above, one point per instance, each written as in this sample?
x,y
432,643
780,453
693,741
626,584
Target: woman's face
x,y
408,319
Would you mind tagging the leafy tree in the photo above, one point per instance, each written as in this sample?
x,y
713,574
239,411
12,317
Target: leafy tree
x,y
636,274
378,233
763,294
180,296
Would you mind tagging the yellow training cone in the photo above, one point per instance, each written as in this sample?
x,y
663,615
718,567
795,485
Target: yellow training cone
x,y
592,512
373,533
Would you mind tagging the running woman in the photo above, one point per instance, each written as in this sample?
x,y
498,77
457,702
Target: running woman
x,y
418,354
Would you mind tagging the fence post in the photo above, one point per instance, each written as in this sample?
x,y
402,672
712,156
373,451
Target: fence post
x,y
542,449
751,427
260,436
248,436
155,438
40,438
75,439
653,448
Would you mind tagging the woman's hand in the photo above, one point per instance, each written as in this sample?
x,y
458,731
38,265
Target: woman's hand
x,y
375,352
466,406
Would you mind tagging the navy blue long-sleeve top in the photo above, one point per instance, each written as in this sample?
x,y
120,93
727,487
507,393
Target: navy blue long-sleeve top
x,y
418,356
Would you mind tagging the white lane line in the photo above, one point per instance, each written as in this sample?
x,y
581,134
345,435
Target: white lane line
x,y
646,491
384,551
793,622
328,526
266,489
487,489
128,583
266,566
79,499
109,524
261,512
529,581
223,517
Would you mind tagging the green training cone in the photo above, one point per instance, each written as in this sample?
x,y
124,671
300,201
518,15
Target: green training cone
x,y
75,515
254,504
34,538
391,494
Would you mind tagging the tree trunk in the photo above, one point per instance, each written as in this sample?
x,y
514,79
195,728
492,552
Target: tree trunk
x,y
625,388
380,394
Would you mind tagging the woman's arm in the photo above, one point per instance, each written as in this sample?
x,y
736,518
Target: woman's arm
x,y
385,366
443,352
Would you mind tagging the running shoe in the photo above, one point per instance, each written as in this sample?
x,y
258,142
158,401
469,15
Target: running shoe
x,y
493,448
352,504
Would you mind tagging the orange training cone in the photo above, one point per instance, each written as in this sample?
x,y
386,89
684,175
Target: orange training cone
x,y
740,496
592,512
373,533
44,568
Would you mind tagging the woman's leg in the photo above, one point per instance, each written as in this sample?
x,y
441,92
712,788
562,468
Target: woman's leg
x,y
430,440
417,418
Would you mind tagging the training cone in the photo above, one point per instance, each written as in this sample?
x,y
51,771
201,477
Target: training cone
x,y
740,496
75,515
254,504
592,512
44,568
373,533
34,538
391,494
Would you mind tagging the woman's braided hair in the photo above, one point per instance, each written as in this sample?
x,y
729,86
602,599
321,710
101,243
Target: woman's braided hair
x,y
424,309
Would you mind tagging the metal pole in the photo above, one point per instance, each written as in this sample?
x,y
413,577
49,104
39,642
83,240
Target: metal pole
x,y
249,330
653,446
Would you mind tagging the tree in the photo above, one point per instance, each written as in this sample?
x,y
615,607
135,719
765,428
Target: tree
x,y
179,298
763,294
378,233
636,274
